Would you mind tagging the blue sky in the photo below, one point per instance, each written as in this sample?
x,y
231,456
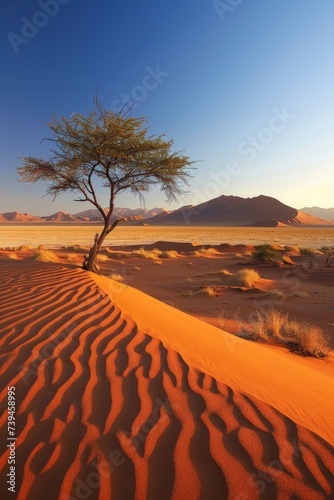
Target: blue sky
x,y
244,87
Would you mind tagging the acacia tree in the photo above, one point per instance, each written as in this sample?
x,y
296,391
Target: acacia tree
x,y
111,149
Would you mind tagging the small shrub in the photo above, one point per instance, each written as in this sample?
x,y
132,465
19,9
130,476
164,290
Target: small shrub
x,y
207,291
329,255
25,248
245,277
301,338
204,291
45,256
147,254
305,339
268,325
202,252
265,253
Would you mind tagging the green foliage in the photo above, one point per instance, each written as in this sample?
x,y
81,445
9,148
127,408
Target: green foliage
x,y
265,253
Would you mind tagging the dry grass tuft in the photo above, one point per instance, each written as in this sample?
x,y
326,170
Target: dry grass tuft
x,y
301,338
245,277
305,339
301,294
45,256
25,248
204,252
168,254
203,291
147,254
276,293
207,291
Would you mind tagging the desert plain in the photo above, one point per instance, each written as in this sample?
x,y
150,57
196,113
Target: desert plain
x,y
180,372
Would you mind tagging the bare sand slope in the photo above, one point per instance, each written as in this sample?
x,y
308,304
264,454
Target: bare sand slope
x,y
106,410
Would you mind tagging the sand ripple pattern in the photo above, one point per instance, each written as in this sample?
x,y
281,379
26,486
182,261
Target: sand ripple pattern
x,y
105,411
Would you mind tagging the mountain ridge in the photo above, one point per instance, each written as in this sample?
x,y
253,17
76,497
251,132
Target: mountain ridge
x,y
225,210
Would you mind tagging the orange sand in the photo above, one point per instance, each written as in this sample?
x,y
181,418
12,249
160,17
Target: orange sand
x,y
120,396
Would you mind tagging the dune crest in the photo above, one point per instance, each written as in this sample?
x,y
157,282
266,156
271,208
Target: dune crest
x,y
108,409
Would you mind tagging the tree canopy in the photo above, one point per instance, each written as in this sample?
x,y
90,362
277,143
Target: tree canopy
x,y
112,149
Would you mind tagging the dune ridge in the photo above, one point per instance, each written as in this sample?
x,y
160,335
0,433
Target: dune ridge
x,y
108,409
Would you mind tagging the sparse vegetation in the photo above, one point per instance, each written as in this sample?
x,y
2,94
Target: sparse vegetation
x,y
107,149
45,256
265,253
203,291
276,293
203,252
147,254
329,255
307,251
208,291
25,248
168,254
301,294
301,338
156,254
245,277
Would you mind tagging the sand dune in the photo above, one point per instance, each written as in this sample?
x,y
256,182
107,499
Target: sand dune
x,y
122,397
261,211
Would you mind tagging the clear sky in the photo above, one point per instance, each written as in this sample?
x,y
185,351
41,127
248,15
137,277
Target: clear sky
x,y
243,86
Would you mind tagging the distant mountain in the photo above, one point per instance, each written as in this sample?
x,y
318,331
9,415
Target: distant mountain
x,y
261,211
322,213
91,215
61,217
18,217
136,214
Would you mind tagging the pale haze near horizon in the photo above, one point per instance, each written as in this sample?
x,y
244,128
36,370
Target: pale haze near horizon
x,y
246,90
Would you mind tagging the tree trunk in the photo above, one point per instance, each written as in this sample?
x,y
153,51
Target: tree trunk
x,y
90,259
